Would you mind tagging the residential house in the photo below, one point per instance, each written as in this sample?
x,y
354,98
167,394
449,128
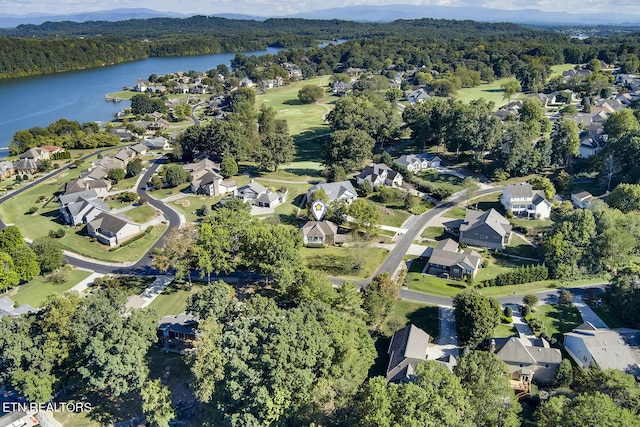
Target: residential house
x,y
417,162
159,143
379,174
100,186
6,169
354,72
319,233
36,154
140,149
485,229
341,191
523,200
52,149
177,333
417,96
123,134
590,143
341,88
446,259
604,348
125,155
205,179
141,85
407,348
25,167
512,108
18,419
112,230
7,308
581,199
258,195
577,74
247,82
80,207
527,358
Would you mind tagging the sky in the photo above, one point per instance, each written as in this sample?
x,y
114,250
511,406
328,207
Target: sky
x,y
285,7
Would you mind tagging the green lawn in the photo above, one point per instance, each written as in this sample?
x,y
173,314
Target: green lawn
x,y
557,319
435,180
305,120
609,316
336,261
455,212
392,211
489,91
433,285
129,285
189,205
288,210
434,233
489,201
163,193
35,291
504,330
426,317
557,70
173,300
533,287
142,213
533,226
521,247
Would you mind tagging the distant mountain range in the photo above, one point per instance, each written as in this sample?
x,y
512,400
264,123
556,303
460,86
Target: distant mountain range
x,y
357,13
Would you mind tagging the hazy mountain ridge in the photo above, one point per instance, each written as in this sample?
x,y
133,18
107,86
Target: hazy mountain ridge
x,y
13,20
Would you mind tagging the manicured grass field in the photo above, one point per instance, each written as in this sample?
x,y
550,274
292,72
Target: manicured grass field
x,y
36,290
142,213
335,261
189,205
392,211
557,70
435,233
557,319
424,316
520,247
295,195
489,91
504,330
456,212
173,300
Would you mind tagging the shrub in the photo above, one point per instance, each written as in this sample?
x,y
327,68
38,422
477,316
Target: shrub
x,y
520,275
508,312
57,234
526,311
32,210
127,197
530,300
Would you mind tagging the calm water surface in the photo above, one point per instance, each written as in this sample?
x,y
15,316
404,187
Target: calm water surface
x,y
80,95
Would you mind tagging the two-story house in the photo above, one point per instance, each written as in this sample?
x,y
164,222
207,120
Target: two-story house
x,y
378,175
523,200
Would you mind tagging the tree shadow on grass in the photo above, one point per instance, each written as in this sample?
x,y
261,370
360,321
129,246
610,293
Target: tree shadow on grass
x,y
427,319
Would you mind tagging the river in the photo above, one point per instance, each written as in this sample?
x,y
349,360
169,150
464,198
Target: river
x,y
80,95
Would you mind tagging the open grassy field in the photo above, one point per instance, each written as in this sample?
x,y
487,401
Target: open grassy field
x,y
521,247
456,212
36,290
557,70
489,91
336,261
504,330
391,208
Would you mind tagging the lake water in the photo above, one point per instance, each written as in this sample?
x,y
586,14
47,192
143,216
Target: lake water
x,y
80,95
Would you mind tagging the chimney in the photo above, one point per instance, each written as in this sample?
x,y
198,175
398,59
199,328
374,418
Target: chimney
x,y
492,346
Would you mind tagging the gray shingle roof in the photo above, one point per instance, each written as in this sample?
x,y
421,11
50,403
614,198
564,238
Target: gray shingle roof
x,y
407,348
335,190
319,228
491,218
446,254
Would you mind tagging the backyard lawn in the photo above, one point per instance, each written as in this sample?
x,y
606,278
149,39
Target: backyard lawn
x,y
173,300
142,214
521,247
504,330
36,290
425,317
434,233
337,261
456,212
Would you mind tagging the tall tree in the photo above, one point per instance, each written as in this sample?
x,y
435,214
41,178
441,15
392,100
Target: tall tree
x,y
365,217
48,252
349,149
476,316
156,403
566,142
378,298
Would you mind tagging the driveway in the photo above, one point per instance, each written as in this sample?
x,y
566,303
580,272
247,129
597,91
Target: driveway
x,y
448,339
588,315
518,321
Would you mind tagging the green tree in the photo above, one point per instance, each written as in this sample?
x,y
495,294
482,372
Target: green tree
x,y
365,217
9,277
25,262
213,301
530,299
142,104
487,379
116,175
545,184
378,298
175,175
566,141
476,316
511,87
349,149
625,197
156,403
309,94
134,167
207,363
564,375
585,409
48,252
228,167
275,149
176,253
620,123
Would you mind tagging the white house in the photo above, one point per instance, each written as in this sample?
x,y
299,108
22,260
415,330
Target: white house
x,y
112,230
581,199
417,162
523,200
342,191
380,174
258,195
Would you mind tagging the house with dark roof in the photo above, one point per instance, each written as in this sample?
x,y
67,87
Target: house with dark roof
x,y
604,348
527,358
378,175
523,200
417,96
447,259
100,186
319,233
591,142
110,229
8,308
485,229
341,191
25,167
177,333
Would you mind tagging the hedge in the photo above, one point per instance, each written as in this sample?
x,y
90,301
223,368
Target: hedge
x,y
518,276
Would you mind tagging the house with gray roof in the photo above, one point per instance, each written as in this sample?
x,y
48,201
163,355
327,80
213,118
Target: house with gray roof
x,y
446,258
8,308
36,154
581,199
604,348
528,358
25,166
206,179
80,207
341,191
378,175
523,200
110,229
100,186
417,96
319,233
485,229
417,162
159,143
258,195
6,169
407,348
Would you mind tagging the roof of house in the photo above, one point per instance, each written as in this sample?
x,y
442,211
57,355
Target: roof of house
x,y
110,222
252,187
335,190
181,323
268,197
523,190
78,206
492,218
446,254
319,228
581,195
83,184
7,308
407,348
25,164
374,170
610,349
518,350
206,178
139,148
65,199
31,153
204,164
